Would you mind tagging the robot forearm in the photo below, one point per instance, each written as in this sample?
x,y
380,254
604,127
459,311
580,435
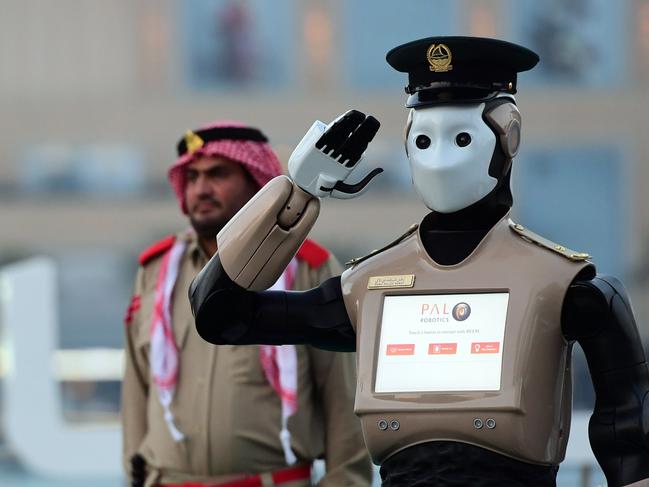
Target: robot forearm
x,y
225,313
260,240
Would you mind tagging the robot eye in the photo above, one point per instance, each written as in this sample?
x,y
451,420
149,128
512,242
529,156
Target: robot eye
x,y
463,139
422,142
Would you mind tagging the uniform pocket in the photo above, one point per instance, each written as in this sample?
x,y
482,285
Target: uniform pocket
x,y
245,364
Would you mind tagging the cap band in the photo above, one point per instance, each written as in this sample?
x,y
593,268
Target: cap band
x,y
451,96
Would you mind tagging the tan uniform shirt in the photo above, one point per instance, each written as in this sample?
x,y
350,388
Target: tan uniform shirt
x,y
225,407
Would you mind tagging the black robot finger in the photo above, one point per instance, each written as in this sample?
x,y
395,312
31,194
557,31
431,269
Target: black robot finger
x,y
354,138
353,149
338,133
359,186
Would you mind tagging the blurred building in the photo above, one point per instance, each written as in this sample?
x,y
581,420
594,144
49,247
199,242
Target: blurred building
x,y
94,96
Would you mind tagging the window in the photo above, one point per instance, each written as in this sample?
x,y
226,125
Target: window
x,y
372,28
552,198
579,41
236,44
104,171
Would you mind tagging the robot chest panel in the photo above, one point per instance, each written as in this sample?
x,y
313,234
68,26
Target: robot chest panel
x,y
439,348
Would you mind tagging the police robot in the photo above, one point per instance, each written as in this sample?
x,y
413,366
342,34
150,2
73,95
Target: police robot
x,y
463,326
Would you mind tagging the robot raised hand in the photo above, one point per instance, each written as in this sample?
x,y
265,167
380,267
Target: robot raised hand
x,y
260,240
327,154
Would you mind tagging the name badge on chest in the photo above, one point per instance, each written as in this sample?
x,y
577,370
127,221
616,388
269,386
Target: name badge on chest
x,y
391,282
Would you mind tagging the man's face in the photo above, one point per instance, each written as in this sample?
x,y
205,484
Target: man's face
x,y
216,189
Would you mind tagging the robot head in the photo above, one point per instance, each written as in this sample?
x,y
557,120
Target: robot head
x,y
464,127
460,153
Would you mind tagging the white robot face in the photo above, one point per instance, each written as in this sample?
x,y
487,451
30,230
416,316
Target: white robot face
x,y
450,149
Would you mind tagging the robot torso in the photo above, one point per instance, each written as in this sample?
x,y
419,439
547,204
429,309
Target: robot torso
x,y
471,352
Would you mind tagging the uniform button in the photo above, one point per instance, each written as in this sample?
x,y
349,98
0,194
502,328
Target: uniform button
x,y
491,423
477,423
394,425
383,424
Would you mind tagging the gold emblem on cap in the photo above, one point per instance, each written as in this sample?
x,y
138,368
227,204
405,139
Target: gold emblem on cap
x,y
439,57
193,141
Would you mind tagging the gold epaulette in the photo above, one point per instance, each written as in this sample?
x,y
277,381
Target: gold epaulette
x,y
532,237
413,228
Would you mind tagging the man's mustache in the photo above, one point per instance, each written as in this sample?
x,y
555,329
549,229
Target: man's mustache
x,y
208,199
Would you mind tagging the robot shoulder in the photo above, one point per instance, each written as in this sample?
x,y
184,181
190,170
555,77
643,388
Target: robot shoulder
x,y
413,228
594,304
531,237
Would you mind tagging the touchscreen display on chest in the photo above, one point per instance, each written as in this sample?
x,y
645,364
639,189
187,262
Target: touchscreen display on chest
x,y
443,342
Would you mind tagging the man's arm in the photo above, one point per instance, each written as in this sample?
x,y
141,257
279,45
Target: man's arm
x,y
334,377
346,457
135,385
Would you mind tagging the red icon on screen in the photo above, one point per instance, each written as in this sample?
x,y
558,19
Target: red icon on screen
x,y
485,347
442,348
401,349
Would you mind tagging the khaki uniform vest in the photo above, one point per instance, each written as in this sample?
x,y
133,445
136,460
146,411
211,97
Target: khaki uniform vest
x,y
529,417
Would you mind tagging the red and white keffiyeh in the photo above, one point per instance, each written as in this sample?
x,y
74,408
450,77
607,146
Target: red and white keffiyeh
x,y
278,362
280,367
258,158
164,351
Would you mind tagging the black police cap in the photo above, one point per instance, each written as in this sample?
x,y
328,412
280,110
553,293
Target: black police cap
x,y
459,69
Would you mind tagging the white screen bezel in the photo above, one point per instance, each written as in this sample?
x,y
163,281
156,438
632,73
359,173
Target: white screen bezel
x,y
459,371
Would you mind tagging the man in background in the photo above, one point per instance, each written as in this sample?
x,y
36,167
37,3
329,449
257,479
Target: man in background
x,y
198,415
